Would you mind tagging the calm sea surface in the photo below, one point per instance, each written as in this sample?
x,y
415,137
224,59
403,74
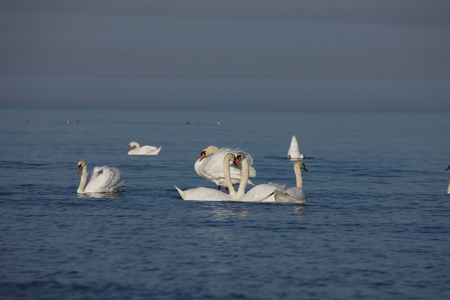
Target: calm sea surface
x,y
377,224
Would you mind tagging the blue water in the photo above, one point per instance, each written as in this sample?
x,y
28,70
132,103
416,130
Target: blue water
x,y
376,225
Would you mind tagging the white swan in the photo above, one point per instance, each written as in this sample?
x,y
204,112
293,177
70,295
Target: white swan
x,y
144,150
210,166
101,180
260,193
294,152
448,188
295,194
208,194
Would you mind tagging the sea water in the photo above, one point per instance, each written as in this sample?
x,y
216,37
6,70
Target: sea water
x,y
376,224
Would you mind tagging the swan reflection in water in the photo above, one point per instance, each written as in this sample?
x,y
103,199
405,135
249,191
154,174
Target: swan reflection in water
x,y
222,211
100,195
299,211
225,210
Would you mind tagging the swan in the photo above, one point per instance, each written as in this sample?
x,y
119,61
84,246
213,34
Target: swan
x,y
210,166
448,188
294,194
101,180
208,194
260,193
294,152
144,150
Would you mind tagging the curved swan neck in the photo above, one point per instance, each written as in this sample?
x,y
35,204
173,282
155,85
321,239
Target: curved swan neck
x,y
245,173
83,179
134,144
226,170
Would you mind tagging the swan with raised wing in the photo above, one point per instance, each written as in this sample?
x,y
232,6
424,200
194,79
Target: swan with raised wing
x,y
295,194
144,150
210,166
294,151
103,179
208,194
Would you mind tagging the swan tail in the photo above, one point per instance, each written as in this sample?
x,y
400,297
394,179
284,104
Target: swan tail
x,y
182,194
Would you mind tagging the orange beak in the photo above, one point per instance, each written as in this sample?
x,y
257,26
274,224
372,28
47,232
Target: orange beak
x,y
202,156
79,169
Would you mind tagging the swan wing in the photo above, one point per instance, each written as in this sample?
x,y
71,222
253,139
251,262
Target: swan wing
x,y
294,151
211,167
261,193
104,179
146,150
292,195
203,194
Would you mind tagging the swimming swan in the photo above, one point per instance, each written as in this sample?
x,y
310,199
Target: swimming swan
x,y
144,150
295,194
294,152
448,188
260,193
101,180
210,166
208,194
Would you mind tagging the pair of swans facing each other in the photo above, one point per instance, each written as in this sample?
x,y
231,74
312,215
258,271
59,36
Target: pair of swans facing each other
x,y
208,194
211,167
268,192
103,179
144,150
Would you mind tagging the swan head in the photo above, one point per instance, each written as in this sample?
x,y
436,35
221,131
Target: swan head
x,y
208,151
132,144
239,156
81,165
231,158
448,168
301,165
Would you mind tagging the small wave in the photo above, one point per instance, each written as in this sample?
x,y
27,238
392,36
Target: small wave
x,y
20,164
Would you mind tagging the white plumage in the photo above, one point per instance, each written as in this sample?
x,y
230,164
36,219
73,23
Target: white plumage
x,y
294,151
208,194
144,150
295,194
103,179
210,166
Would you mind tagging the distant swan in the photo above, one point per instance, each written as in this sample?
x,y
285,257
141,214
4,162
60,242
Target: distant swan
x,y
294,152
210,166
260,193
208,194
295,194
144,150
448,188
101,180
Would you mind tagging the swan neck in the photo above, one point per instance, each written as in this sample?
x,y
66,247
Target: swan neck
x,y
245,173
298,176
135,150
83,180
227,173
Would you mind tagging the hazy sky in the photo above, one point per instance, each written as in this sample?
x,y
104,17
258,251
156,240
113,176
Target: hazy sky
x,y
299,54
